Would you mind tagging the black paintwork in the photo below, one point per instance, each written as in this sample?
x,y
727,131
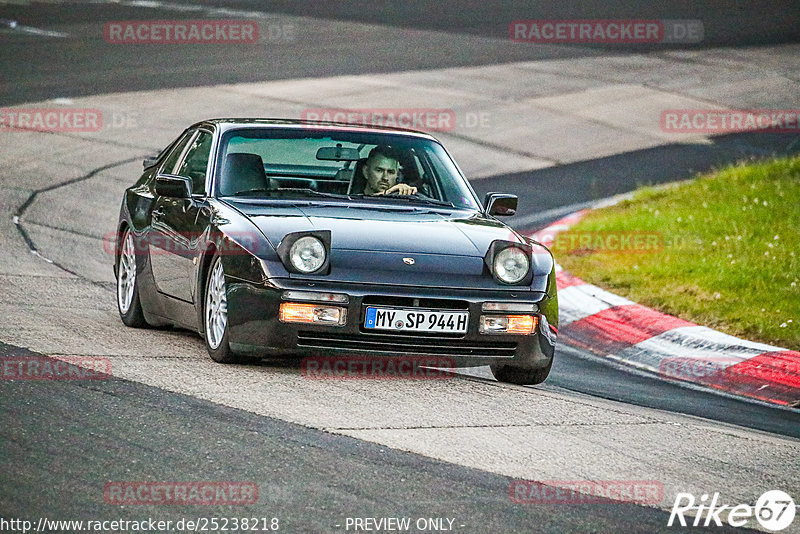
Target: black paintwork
x,y
177,238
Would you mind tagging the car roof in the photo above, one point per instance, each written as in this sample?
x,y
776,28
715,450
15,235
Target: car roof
x,y
230,123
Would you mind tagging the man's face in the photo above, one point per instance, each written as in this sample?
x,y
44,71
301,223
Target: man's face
x,y
381,173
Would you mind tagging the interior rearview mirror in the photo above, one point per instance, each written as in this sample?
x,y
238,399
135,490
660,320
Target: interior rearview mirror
x,y
338,153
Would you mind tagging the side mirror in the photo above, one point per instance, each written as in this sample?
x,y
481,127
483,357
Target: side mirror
x,y
169,185
500,204
149,161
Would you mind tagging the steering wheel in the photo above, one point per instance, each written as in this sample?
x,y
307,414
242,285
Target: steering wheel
x,y
419,193
397,194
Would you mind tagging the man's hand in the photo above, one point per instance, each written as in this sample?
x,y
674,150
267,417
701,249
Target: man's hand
x,y
400,189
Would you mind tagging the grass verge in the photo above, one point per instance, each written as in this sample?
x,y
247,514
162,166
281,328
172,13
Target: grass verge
x,y
721,250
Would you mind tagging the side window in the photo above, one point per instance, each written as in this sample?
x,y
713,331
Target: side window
x,y
196,162
175,154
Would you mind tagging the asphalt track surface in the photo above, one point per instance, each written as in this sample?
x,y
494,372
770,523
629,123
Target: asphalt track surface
x,y
84,63
75,434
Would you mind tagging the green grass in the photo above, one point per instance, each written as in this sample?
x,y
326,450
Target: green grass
x,y
731,241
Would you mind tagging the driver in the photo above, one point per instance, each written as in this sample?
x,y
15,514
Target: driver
x,y
381,171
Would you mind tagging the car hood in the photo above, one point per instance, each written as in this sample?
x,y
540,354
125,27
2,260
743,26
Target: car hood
x,y
376,229
394,246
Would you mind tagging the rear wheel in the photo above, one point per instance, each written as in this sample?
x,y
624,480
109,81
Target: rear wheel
x,y
215,313
521,375
128,303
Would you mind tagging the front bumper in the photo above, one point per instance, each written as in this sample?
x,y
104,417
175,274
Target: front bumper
x,y
255,329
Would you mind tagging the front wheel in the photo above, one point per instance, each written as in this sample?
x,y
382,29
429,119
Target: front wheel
x,y
128,303
521,375
215,313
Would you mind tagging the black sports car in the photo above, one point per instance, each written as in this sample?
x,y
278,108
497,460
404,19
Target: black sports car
x,y
280,237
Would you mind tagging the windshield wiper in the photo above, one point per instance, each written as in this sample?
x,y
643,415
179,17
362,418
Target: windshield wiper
x,y
410,198
311,192
291,190
254,190
314,193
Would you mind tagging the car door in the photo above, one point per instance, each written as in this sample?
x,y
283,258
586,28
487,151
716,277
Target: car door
x,y
177,225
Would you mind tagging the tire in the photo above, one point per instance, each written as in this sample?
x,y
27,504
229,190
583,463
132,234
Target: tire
x,y
128,303
521,376
215,316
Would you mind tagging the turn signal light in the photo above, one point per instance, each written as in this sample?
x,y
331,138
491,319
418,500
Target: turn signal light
x,y
295,312
315,296
508,324
510,306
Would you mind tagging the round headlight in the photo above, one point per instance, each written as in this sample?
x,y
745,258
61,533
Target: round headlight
x,y
511,265
307,254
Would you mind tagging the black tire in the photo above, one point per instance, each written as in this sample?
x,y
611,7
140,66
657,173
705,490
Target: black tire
x,y
521,376
133,316
219,349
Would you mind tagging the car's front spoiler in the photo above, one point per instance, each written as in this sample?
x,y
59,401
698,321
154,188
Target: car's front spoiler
x,y
255,328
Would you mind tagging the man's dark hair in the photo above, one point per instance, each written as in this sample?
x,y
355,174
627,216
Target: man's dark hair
x,y
384,150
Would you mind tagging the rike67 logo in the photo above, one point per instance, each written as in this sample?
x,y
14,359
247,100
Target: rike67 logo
x,y
774,511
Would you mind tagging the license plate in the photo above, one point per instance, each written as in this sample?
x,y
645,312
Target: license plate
x,y
417,320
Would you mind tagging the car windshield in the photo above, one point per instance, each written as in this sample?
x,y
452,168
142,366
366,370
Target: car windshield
x,y
309,163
